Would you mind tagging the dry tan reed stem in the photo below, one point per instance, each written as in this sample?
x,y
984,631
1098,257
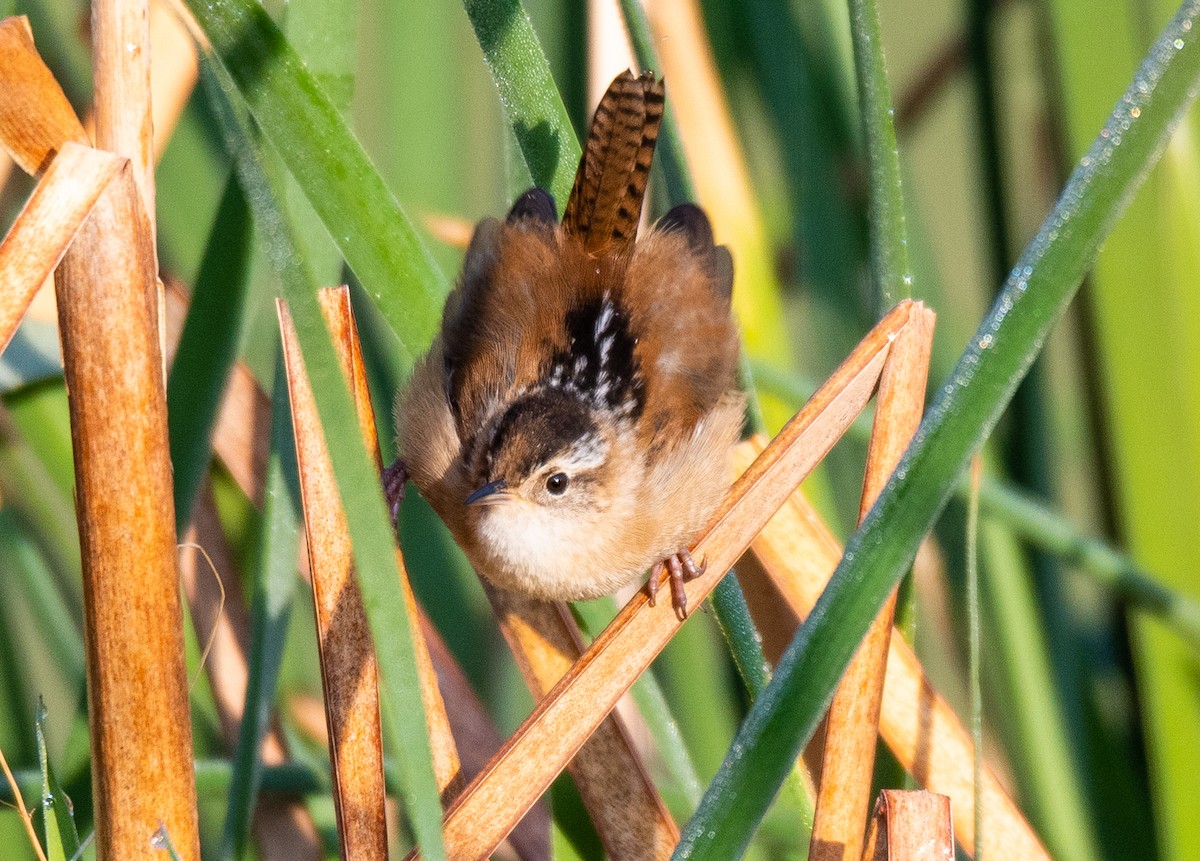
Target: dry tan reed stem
x,y
108,321
852,725
798,553
137,684
335,303
349,675
121,74
910,825
710,143
565,718
630,817
35,117
39,237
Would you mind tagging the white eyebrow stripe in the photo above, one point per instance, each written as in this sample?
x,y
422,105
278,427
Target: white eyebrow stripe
x,y
588,452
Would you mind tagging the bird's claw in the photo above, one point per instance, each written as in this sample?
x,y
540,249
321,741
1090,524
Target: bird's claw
x,y
680,568
394,478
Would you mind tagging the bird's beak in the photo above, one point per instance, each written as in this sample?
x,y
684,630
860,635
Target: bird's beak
x,y
493,491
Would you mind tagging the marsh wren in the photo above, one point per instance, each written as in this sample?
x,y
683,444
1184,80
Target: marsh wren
x,y
572,421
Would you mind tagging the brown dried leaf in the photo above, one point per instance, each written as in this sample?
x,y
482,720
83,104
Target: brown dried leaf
x,y
39,237
35,117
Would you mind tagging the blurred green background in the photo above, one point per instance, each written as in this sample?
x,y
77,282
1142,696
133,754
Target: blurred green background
x,y
1091,700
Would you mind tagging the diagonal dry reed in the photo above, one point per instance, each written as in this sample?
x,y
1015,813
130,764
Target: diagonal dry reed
x,y
39,237
910,825
852,725
35,117
565,718
630,817
798,553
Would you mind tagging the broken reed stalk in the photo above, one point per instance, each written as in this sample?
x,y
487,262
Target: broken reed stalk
x,y
564,719
339,316
798,554
348,663
629,815
349,675
910,825
852,725
108,322
39,237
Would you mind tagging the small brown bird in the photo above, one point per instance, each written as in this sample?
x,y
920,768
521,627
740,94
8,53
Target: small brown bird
x,y
571,423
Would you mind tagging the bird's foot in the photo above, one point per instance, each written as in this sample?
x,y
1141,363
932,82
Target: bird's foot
x,y
394,478
680,568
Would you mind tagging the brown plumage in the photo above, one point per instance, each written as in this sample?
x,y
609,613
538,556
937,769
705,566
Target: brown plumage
x,y
572,420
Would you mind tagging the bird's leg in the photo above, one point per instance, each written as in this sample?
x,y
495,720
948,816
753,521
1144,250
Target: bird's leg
x,y
394,478
680,568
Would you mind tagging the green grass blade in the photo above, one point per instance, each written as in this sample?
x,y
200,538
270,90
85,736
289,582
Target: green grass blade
x,y
312,138
528,93
270,612
362,497
208,348
890,271
960,419
62,840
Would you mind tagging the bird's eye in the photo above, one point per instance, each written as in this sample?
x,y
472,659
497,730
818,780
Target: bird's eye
x,y
557,484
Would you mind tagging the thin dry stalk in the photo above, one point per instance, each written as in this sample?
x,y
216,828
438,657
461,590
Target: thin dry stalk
x,y
22,811
629,815
910,825
852,726
335,303
121,72
174,70
349,675
562,721
39,237
798,553
35,117
137,684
